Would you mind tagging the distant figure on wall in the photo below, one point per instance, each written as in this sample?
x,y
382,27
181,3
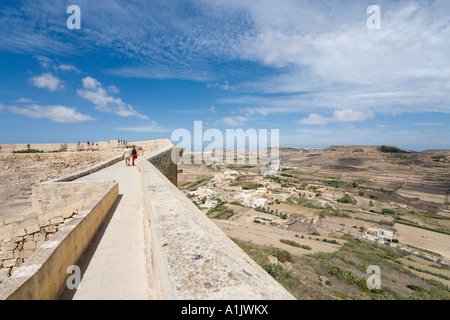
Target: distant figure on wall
x,y
127,156
134,154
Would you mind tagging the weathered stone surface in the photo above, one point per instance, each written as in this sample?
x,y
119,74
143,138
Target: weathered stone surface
x,y
29,245
39,237
50,229
18,233
9,263
26,253
67,215
32,229
6,255
9,246
4,274
39,244
57,220
17,239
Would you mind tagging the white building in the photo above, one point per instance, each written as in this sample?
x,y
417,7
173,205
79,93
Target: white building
x,y
385,235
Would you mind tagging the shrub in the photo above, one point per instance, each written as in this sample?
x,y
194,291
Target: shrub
x,y
415,288
281,255
334,183
277,271
295,244
28,151
387,211
347,199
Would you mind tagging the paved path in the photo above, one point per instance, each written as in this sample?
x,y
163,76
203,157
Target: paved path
x,y
115,265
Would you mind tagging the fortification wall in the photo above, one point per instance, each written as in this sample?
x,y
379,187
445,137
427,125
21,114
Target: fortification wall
x,y
191,258
43,275
53,206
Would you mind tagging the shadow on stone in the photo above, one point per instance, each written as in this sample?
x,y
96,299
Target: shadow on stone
x,y
86,258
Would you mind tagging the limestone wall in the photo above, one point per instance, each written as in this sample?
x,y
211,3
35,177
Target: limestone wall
x,y
43,275
53,206
191,258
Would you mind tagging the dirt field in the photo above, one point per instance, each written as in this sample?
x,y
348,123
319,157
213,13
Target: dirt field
x,y
243,227
424,239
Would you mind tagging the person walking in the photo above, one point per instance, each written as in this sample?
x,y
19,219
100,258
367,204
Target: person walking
x,y
127,155
133,155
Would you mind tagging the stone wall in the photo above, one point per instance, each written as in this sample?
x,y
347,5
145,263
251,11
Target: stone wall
x,y
162,159
53,206
190,257
43,275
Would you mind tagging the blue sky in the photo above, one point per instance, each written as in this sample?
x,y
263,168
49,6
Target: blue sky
x,y
139,70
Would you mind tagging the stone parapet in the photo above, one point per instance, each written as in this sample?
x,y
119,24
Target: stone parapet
x,y
44,274
191,258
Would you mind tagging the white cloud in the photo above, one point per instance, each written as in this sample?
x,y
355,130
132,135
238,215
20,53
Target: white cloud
x,y
152,127
95,93
113,89
314,118
44,61
224,86
67,67
233,121
48,81
2,106
323,53
61,114
346,115
24,100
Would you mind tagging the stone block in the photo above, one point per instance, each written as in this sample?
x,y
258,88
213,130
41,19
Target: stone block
x,y
39,237
44,223
9,246
4,274
57,220
17,239
13,218
18,233
9,263
50,229
25,254
67,215
29,245
39,244
6,255
32,229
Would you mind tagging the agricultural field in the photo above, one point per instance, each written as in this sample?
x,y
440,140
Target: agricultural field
x,y
322,210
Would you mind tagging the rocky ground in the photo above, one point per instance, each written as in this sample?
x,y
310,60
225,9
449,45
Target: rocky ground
x,y
20,172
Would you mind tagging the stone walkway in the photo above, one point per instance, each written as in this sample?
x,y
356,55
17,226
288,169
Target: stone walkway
x,y
115,265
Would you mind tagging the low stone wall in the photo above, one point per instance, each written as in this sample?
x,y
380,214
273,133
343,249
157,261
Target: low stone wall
x,y
162,159
85,172
43,275
53,205
191,258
